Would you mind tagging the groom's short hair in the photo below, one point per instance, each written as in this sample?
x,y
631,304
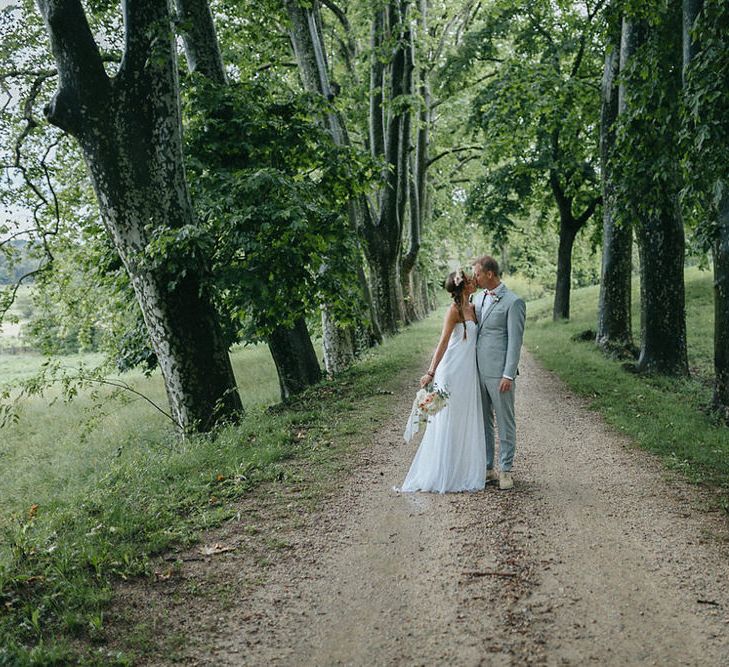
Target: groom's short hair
x,y
488,263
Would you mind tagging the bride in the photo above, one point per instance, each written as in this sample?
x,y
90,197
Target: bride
x,y
452,454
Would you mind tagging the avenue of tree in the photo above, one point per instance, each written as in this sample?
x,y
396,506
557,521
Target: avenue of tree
x,y
281,171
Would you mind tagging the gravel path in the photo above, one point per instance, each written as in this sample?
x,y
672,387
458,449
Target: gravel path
x,y
598,556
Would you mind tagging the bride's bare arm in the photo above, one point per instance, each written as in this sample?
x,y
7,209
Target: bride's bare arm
x,y
450,321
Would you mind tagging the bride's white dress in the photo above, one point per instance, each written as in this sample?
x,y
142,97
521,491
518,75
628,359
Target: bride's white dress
x,y
452,454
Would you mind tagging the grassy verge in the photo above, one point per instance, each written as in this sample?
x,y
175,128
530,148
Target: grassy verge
x,y
62,558
57,448
665,416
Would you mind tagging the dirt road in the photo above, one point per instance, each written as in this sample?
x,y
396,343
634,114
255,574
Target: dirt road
x,y
598,556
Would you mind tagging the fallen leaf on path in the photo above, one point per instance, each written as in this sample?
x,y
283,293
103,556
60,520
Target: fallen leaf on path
x,y
216,548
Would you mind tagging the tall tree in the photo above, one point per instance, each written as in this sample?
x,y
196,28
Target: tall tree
x,y
291,347
649,183
418,165
706,137
614,327
538,115
340,342
128,126
390,121
379,219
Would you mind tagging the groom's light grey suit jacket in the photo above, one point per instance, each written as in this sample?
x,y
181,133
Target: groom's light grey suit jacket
x,y
500,333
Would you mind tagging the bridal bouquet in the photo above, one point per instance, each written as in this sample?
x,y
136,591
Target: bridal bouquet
x,y
433,401
428,401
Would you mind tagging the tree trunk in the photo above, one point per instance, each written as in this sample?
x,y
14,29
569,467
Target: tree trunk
x,y
614,327
418,160
567,235
338,343
632,36
661,241
663,301
569,226
387,288
377,85
308,46
691,10
295,359
383,234
202,50
721,311
129,129
415,302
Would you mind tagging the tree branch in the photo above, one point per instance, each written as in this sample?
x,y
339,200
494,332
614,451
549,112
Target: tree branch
x,y
481,79
119,384
342,18
82,79
452,151
9,301
588,212
19,73
583,38
200,39
14,236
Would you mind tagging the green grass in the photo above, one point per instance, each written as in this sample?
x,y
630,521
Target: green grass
x,y
665,416
55,449
108,502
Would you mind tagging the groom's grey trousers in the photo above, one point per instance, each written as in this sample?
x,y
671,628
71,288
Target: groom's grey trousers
x,y
502,405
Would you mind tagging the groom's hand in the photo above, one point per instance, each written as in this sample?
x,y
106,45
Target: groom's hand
x,y
505,385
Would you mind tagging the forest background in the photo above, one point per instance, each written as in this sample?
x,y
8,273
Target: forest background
x,y
300,177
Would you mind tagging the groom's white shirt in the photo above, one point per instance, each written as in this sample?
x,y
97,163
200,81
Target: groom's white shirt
x,y
486,302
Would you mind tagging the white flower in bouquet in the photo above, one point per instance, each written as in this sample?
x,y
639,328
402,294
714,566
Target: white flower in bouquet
x,y
433,401
427,403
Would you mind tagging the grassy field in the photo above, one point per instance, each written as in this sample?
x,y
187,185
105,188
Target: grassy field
x,y
665,416
56,449
18,314
87,505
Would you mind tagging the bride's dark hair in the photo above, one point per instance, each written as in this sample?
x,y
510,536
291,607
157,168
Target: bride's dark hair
x,y
456,292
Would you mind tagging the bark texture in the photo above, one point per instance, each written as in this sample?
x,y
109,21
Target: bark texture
x,y
721,311
129,129
661,244
614,327
663,347
415,308
295,359
202,49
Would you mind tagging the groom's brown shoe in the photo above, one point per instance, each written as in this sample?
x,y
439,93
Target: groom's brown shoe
x,y
491,476
506,481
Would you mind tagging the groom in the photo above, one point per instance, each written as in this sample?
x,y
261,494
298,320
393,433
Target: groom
x,y
501,316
